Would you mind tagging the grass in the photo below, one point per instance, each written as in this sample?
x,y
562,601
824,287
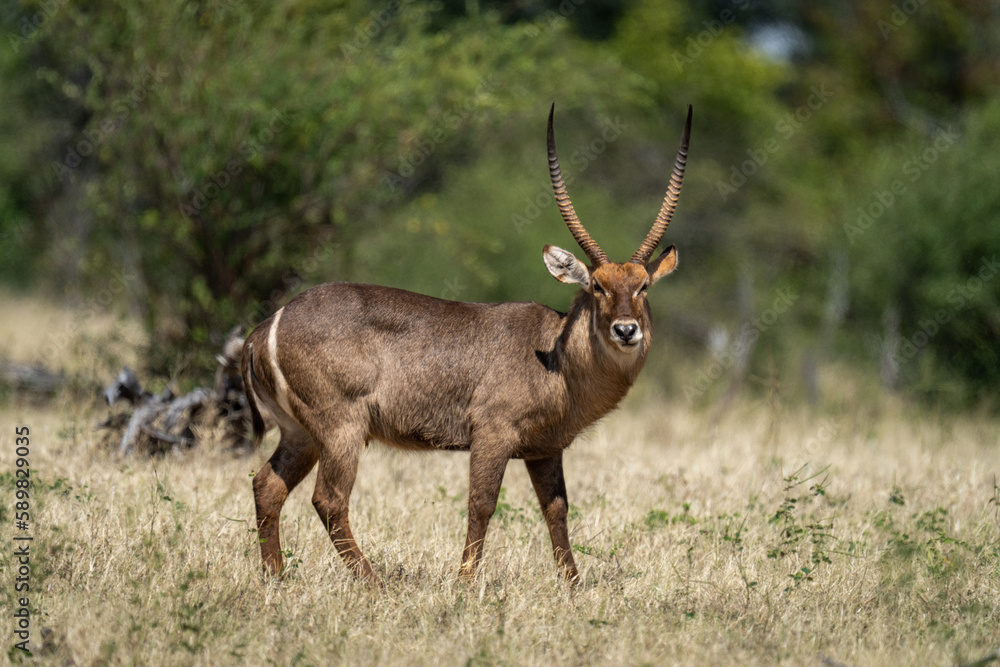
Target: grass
x,y
771,536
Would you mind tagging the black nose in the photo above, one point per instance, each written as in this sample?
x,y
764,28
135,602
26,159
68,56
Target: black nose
x,y
625,332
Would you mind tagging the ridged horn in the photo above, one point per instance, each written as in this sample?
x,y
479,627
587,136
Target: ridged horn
x,y
652,239
588,244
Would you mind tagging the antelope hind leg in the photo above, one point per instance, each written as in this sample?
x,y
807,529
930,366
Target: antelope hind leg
x,y
291,462
338,468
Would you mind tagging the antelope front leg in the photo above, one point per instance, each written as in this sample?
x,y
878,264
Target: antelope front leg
x,y
550,486
486,469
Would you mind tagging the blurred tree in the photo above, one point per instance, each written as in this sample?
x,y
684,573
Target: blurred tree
x,y
916,76
592,19
912,61
927,262
217,157
214,155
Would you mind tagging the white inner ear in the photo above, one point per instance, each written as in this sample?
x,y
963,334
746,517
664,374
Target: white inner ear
x,y
565,267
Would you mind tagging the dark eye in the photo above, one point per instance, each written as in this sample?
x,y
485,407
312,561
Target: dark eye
x,y
642,290
598,289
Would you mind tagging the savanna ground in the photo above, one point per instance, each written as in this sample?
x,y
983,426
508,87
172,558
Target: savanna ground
x,y
867,535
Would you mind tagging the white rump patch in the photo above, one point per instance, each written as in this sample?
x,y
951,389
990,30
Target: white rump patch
x,y
280,384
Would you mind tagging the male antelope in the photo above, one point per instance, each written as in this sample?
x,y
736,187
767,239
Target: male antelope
x,y
343,364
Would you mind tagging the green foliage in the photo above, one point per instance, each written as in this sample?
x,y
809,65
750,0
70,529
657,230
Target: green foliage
x,y
505,511
657,518
922,545
205,162
215,186
799,534
924,246
591,18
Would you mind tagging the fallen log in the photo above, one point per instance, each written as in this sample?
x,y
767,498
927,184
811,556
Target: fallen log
x,y
30,378
166,422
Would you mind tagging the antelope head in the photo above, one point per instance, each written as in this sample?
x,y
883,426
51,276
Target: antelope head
x,y
620,312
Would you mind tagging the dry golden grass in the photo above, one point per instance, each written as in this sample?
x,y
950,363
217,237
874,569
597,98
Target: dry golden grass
x,y
691,536
85,340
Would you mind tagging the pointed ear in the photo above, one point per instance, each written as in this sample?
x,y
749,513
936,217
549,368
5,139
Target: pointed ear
x,y
662,265
565,267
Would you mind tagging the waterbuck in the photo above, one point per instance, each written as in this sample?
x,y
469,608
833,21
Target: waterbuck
x,y
343,364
